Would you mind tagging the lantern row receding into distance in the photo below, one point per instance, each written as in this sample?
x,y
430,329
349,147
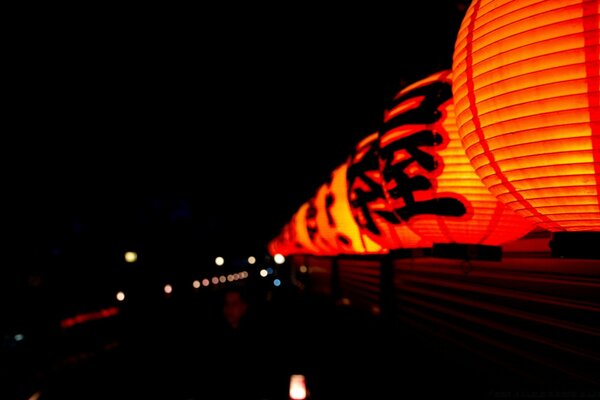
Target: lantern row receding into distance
x,y
409,186
524,101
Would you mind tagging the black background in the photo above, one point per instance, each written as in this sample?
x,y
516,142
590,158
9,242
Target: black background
x,y
205,127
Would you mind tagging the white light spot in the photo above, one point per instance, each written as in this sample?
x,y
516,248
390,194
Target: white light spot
x,y
251,260
168,289
263,273
297,387
120,296
219,261
131,256
279,258
196,284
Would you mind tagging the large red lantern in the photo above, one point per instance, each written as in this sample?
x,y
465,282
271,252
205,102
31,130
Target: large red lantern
x,y
427,178
369,205
527,96
335,222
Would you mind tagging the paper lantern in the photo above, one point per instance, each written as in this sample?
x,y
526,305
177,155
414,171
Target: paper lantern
x,y
279,246
370,209
335,222
285,243
306,232
427,178
527,95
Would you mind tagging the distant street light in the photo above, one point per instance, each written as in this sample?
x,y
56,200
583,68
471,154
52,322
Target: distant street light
x,y
131,256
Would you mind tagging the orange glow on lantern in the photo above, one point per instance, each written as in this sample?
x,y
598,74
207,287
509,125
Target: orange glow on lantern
x,y
370,208
428,179
335,222
306,232
285,243
279,246
527,96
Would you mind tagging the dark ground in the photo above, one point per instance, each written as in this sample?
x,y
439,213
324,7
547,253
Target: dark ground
x,y
177,350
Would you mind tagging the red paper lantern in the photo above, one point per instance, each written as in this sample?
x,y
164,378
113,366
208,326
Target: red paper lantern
x,y
369,205
527,94
427,178
306,232
335,222
285,243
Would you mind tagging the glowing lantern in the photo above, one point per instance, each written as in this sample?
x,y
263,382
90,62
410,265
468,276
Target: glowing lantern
x,y
285,243
306,232
315,235
428,180
281,245
369,206
274,245
527,94
335,222
297,387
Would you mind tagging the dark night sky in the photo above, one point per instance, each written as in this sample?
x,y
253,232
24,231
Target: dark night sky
x,y
207,131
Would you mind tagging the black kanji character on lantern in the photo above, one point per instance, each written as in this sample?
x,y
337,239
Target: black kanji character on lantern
x,y
329,203
370,192
418,148
311,221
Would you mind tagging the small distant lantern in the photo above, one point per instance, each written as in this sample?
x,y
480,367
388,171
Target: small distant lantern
x,y
285,243
427,178
306,232
335,222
